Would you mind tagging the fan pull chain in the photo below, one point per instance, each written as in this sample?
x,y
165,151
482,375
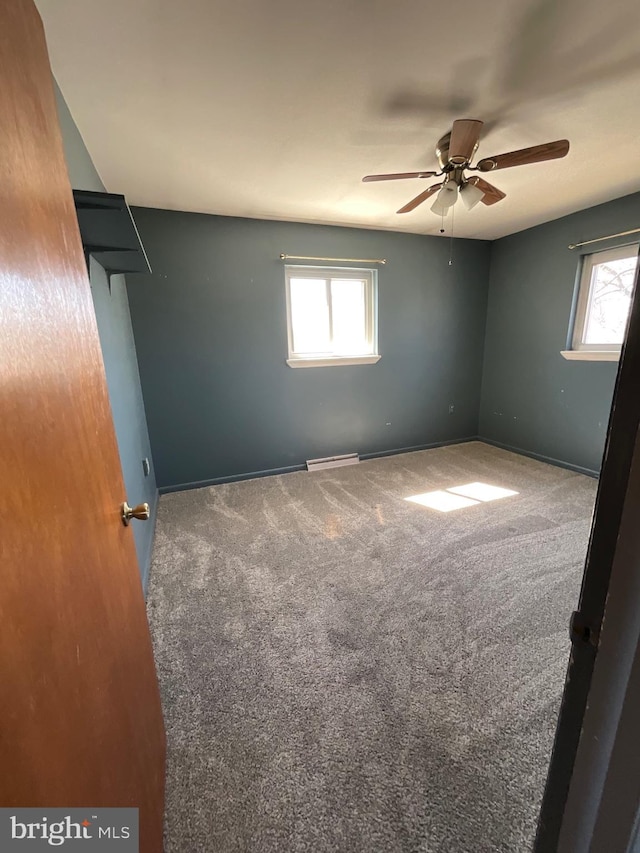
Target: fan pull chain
x,y
453,213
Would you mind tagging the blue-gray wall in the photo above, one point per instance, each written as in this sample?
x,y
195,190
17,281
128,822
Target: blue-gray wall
x,y
210,330
119,353
532,398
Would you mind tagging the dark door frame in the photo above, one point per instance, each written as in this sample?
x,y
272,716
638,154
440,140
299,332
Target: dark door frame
x,y
581,801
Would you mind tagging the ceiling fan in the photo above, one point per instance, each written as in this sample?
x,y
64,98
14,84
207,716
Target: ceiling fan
x,y
455,151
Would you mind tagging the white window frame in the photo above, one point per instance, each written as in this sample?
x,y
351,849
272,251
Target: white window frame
x,y
581,351
370,277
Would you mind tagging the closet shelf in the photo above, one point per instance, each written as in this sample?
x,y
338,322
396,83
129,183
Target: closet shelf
x,y
109,233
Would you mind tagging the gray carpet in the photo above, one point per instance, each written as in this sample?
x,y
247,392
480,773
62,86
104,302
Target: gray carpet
x,y
343,670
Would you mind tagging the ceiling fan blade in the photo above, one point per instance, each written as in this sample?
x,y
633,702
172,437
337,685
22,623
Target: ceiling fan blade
x,y
535,154
420,198
492,194
398,176
465,135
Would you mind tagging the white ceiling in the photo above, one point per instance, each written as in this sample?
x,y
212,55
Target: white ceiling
x,y
275,109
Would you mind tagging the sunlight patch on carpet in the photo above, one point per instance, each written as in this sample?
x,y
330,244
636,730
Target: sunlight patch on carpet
x,y
461,497
482,492
442,501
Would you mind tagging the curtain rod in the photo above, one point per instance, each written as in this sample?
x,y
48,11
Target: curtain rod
x,y
284,257
598,239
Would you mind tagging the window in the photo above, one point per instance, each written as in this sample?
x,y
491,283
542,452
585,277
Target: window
x,y
331,316
604,299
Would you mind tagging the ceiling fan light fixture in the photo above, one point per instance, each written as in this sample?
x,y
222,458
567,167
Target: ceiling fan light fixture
x,y
445,199
438,208
470,195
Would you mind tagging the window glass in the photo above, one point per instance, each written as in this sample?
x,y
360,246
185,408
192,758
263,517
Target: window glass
x,y
609,300
310,315
349,317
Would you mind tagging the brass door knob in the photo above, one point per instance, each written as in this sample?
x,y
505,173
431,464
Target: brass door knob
x,y
141,512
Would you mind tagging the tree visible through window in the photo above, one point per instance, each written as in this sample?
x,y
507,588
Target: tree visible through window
x,y
331,315
606,288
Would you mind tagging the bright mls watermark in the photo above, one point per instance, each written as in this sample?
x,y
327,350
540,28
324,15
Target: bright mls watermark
x,y
69,829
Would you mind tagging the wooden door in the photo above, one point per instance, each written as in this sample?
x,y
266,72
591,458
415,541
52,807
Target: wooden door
x,y
80,716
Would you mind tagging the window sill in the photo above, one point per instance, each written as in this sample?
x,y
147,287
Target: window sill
x,y
590,355
331,362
